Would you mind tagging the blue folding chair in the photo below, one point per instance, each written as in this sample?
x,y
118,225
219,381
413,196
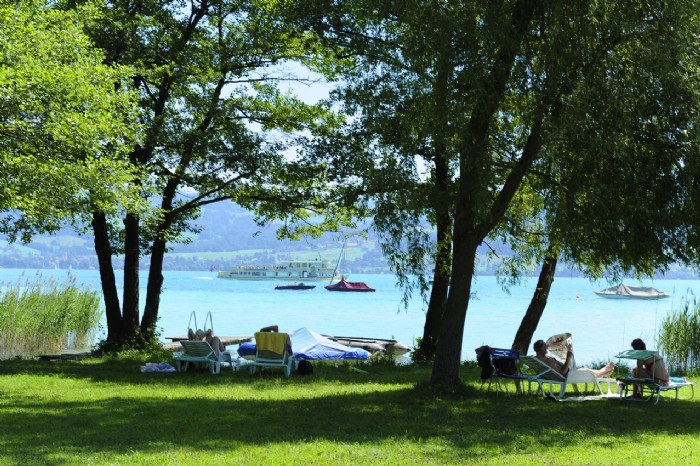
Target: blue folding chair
x,y
499,365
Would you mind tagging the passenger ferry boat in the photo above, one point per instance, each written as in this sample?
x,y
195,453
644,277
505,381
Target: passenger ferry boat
x,y
289,270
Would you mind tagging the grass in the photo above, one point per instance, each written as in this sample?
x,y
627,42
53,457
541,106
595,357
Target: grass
x,y
104,411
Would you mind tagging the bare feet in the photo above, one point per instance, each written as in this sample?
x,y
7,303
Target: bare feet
x,y
609,368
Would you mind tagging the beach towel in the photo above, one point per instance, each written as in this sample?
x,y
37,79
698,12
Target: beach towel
x,y
272,342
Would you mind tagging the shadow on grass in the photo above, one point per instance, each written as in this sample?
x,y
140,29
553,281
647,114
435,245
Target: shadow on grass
x,y
469,424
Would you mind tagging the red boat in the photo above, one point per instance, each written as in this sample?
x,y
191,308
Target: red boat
x,y
344,285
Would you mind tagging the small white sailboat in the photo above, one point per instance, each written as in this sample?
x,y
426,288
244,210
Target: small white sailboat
x,y
623,291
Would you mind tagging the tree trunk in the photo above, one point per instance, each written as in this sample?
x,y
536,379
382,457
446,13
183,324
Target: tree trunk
x,y
443,262
131,275
446,366
153,290
474,218
107,278
433,316
527,328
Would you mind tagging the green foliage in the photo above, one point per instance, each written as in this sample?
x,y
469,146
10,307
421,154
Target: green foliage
x,y
44,316
679,336
64,120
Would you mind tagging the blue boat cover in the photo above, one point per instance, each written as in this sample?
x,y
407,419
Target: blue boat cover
x,y
311,346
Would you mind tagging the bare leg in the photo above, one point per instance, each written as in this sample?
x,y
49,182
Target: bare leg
x,y
605,371
217,345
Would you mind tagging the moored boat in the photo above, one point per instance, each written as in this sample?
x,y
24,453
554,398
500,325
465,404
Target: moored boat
x,y
295,286
632,292
287,270
344,285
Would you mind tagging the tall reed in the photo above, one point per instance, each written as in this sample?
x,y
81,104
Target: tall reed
x,y
45,316
679,337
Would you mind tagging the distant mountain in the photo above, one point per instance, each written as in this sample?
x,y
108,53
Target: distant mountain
x,y
228,237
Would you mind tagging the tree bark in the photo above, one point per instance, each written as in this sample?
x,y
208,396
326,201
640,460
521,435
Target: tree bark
x,y
153,289
107,278
131,274
446,366
532,317
443,263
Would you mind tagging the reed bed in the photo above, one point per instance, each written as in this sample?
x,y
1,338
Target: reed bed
x,y
679,337
39,315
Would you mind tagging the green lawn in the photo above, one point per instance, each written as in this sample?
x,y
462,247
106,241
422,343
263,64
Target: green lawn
x,y
107,412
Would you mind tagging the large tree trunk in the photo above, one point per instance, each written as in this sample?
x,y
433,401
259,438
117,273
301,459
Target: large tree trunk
x,y
527,328
443,262
433,316
107,278
447,362
474,218
153,290
131,275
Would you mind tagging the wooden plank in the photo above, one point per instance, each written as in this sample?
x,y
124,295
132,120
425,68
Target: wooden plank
x,y
226,340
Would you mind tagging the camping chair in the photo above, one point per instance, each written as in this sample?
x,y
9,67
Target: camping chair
x,y
546,375
653,386
200,351
497,366
271,350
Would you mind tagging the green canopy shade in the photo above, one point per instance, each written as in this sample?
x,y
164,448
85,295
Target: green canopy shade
x,y
637,354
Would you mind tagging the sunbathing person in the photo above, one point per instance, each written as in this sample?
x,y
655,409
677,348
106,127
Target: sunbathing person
x,y
652,367
215,342
275,328
540,348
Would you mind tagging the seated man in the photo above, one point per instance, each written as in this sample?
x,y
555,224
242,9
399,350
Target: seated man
x,y
651,368
540,348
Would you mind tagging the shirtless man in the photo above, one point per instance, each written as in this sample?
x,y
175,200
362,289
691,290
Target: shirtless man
x,y
540,348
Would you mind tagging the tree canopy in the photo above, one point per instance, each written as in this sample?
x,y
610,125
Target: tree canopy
x,y
519,76
217,127
64,125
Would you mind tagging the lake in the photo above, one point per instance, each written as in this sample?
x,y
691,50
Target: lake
x,y
600,327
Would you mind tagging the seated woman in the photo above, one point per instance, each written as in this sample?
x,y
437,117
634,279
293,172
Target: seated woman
x,y
540,348
215,342
650,368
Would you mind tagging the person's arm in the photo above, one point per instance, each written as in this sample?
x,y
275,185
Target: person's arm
x,y
567,363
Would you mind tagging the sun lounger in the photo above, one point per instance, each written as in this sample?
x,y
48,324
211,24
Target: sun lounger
x,y
546,375
271,350
200,351
653,386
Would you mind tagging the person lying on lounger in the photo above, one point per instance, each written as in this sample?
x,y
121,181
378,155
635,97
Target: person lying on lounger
x,y
653,367
540,348
215,342
276,328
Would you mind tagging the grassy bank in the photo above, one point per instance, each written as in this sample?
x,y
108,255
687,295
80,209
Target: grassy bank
x,y
107,412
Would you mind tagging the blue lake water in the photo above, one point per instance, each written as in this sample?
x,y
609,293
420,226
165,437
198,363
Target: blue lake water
x,y
600,327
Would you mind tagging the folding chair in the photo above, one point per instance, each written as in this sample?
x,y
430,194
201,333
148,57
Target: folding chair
x,y
499,365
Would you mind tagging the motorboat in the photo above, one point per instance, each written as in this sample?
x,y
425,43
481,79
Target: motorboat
x,y
632,292
295,286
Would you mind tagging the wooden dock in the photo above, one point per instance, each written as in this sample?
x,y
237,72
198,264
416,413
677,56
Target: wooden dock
x,y
69,354
227,341
373,345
